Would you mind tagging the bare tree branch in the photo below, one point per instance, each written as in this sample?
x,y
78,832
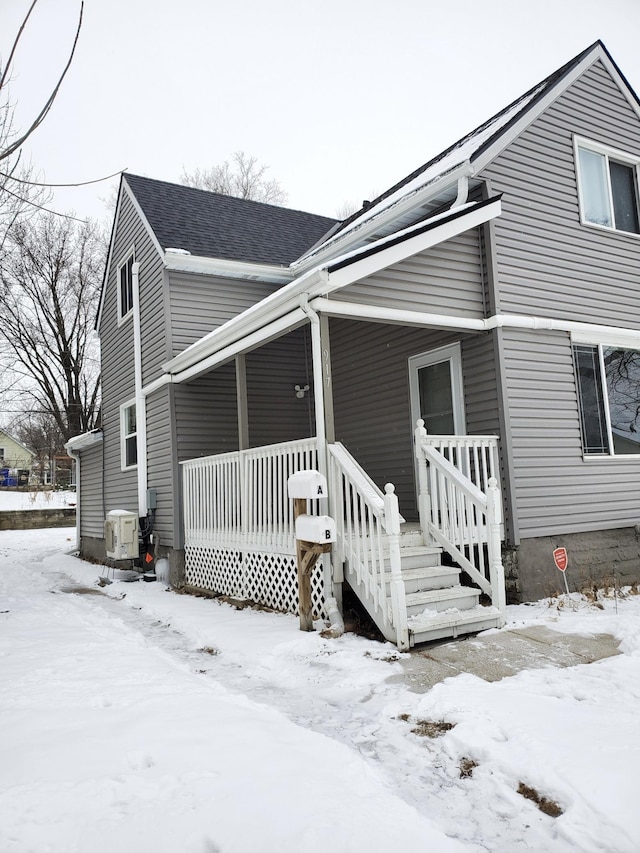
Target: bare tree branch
x,y
245,178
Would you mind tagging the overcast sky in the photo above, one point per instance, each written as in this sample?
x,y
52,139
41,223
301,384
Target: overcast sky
x,y
341,98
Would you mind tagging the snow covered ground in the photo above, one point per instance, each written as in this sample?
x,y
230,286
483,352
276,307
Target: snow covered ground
x,y
136,719
36,500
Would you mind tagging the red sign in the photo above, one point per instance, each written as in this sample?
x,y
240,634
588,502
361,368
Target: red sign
x,y
560,558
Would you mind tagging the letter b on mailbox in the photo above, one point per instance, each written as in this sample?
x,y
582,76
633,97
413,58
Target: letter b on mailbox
x,y
316,528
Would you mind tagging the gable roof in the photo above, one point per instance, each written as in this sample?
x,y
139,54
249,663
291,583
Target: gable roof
x,y
218,226
9,437
471,153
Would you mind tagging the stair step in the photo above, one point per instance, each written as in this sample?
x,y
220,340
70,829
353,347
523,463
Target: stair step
x,y
459,597
428,577
452,623
417,556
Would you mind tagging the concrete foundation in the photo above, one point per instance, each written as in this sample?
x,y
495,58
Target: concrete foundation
x,y
94,550
598,558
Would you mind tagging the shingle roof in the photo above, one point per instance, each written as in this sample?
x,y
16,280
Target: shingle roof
x,y
218,226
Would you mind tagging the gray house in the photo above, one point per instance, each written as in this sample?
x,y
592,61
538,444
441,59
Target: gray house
x,y
460,358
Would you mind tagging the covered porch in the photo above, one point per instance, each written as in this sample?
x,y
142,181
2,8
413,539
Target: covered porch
x,y
344,380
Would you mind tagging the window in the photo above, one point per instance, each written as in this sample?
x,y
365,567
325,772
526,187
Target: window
x,y
125,288
128,435
608,380
608,182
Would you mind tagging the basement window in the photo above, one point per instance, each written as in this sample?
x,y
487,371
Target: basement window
x,y
128,436
608,383
608,187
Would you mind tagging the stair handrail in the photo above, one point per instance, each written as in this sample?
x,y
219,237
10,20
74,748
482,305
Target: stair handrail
x,y
353,494
461,506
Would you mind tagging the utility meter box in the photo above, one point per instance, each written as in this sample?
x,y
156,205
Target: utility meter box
x,y
315,528
309,484
121,534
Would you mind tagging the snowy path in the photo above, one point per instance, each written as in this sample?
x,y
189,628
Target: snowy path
x,y
548,729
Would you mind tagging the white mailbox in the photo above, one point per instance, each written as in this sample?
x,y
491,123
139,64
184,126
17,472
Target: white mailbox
x,y
309,484
121,534
315,528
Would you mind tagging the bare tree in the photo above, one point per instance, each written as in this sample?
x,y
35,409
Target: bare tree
x,y
244,177
19,192
50,278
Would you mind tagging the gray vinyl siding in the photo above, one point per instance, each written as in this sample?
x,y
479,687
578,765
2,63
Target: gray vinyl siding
x,y
372,402
548,263
206,418
446,279
557,491
117,352
200,303
92,512
160,467
273,371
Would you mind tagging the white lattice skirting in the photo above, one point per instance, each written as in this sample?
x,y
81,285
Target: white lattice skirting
x,y
266,578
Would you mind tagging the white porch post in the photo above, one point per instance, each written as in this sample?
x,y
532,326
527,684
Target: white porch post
x,y
424,498
494,544
241,402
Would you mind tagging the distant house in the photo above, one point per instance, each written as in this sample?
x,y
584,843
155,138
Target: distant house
x,y
15,461
469,337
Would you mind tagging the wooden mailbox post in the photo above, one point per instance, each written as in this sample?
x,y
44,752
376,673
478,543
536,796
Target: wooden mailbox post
x,y
314,535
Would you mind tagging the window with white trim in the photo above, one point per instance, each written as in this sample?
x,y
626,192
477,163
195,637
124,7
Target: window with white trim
x,y
608,380
125,288
608,187
128,436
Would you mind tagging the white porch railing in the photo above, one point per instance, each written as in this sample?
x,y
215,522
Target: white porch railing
x,y
240,498
460,505
368,534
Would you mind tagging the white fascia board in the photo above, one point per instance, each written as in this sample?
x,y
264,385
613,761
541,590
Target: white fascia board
x,y
259,337
347,239
530,114
124,188
181,262
386,257
87,439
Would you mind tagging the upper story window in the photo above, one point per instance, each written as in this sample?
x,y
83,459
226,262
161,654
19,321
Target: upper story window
x,y
125,288
608,186
128,436
608,380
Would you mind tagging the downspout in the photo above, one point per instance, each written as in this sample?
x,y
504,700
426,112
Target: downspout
x,y
318,388
331,606
76,458
141,400
463,192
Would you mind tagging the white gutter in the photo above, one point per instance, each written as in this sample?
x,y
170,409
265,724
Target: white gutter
x,y
185,262
583,332
385,217
141,400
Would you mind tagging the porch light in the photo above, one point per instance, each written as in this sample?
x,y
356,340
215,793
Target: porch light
x,y
301,390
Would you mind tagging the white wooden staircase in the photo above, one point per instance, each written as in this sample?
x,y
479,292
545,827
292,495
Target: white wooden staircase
x,y
401,581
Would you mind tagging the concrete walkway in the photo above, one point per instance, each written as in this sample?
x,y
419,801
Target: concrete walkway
x,y
499,654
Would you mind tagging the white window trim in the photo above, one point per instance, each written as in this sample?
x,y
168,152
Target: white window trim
x,y
612,153
130,255
452,353
601,342
123,436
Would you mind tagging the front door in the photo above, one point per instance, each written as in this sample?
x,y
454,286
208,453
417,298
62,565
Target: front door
x,y
435,382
